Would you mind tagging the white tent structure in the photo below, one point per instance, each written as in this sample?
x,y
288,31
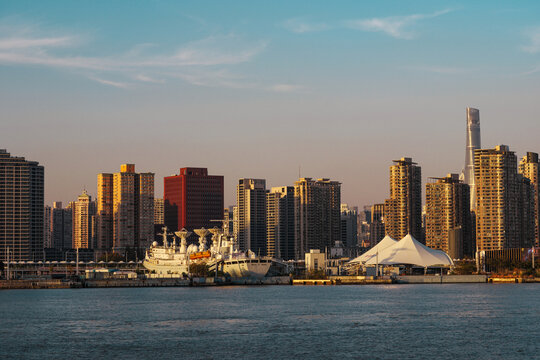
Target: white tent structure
x,y
409,251
372,253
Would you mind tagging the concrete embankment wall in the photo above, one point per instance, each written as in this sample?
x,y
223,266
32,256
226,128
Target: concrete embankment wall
x,y
136,282
35,284
444,279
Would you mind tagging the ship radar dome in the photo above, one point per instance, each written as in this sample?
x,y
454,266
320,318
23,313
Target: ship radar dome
x,y
154,243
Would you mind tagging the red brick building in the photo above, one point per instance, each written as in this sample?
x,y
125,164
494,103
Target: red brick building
x,y
192,199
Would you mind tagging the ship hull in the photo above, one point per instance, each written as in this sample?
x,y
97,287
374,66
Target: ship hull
x,y
166,269
251,268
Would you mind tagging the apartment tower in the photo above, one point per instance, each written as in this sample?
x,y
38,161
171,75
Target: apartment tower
x,y
505,205
317,214
84,215
125,209
403,210
251,215
448,216
529,168
376,225
21,208
280,222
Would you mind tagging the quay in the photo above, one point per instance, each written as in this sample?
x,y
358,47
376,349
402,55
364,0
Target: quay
x,y
74,282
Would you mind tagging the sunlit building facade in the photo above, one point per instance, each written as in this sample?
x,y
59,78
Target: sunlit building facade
x,y
403,210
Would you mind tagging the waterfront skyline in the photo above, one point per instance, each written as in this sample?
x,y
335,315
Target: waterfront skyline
x,y
261,91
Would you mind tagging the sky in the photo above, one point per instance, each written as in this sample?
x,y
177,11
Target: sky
x,y
268,90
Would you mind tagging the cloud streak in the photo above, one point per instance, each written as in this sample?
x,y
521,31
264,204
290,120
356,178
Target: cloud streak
x,y
395,26
399,27
301,26
198,62
534,41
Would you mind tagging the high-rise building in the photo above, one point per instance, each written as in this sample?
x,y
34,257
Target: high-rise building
x,y
251,202
473,143
84,219
280,222
21,208
317,214
105,191
228,217
159,212
349,226
403,210
61,227
193,199
376,225
529,168
125,209
47,226
504,205
448,216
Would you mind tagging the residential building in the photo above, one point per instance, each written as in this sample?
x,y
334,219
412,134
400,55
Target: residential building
x,y
403,210
504,201
228,220
529,168
61,227
193,199
47,227
21,208
251,203
349,226
125,209
448,216
84,220
159,212
317,214
376,226
280,222
105,214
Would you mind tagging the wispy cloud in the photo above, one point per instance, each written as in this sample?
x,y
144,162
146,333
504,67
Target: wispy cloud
x,y
300,26
24,43
196,62
398,27
116,84
533,36
446,70
286,88
534,70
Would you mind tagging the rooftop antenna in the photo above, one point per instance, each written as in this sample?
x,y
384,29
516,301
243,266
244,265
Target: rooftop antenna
x,y
299,172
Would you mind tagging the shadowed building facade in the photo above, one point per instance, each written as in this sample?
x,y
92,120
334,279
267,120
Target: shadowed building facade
x,y
280,222
21,208
251,215
529,168
317,214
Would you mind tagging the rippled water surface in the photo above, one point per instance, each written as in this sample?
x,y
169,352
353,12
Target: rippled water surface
x,y
478,321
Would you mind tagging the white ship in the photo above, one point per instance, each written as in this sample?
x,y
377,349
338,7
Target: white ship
x,y
168,259
223,254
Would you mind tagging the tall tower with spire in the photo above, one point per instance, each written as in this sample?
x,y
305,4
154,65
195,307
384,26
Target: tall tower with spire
x,y
473,143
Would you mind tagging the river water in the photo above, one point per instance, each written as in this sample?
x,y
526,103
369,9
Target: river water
x,y
468,321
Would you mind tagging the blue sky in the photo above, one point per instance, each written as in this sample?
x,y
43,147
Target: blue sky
x,y
253,89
